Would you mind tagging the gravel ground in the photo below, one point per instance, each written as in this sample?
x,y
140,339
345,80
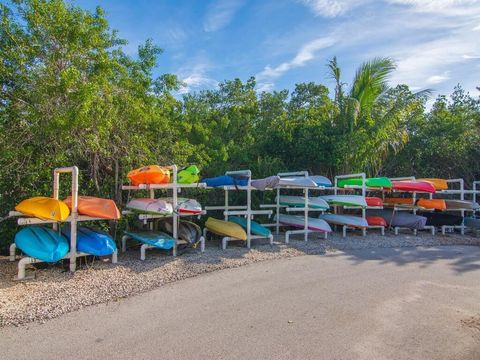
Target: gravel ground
x,y
55,291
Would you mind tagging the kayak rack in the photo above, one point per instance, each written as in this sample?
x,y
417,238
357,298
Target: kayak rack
x,y
175,188
73,219
239,210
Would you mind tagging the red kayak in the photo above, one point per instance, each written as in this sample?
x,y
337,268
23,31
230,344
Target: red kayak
x,y
413,186
376,221
374,201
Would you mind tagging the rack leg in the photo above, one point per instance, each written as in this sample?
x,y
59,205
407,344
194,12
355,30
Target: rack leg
x,y
202,244
22,264
115,257
124,243
224,243
364,232
325,234
344,231
270,238
13,247
287,237
383,230
396,230
143,249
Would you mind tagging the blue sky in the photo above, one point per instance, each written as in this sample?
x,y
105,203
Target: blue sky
x,y
436,43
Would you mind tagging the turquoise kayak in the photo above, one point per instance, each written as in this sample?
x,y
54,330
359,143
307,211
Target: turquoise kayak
x,y
154,238
93,242
42,243
255,228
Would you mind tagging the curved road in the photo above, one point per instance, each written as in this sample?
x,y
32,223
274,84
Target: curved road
x,y
370,304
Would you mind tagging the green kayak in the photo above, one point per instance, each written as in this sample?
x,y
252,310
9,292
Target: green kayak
x,y
370,182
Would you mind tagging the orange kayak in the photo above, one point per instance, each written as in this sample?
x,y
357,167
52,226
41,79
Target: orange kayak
x,y
376,221
437,204
438,184
151,174
95,207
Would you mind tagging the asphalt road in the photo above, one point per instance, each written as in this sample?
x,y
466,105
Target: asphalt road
x,y
375,304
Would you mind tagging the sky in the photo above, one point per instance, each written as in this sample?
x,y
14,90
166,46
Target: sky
x,y
435,43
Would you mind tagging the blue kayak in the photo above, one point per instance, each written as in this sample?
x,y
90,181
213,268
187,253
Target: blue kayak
x,y
93,242
255,228
154,238
225,180
42,243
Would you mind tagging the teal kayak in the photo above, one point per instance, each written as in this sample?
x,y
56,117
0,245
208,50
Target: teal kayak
x,y
255,228
153,238
42,243
382,182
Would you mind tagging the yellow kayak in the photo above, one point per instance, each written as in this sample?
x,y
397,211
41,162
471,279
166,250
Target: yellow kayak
x,y
44,208
438,184
226,228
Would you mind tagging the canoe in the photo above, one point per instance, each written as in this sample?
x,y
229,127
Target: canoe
x,y
400,218
225,180
413,186
345,200
299,201
90,241
376,221
185,206
436,204
188,175
151,174
42,243
380,182
439,184
150,206
44,208
95,207
226,228
255,228
321,180
373,201
157,239
298,221
348,220
461,204
441,219
187,230
472,222
265,183
297,182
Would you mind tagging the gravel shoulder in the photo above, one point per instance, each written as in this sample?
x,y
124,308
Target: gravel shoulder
x,y
54,291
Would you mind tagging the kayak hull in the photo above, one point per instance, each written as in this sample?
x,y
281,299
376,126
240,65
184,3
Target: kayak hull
x,y
347,220
413,186
45,208
255,228
376,221
185,206
345,200
373,201
381,182
42,243
93,242
225,180
187,230
299,222
299,201
150,206
400,218
226,228
156,239
151,174
95,207
441,219
439,184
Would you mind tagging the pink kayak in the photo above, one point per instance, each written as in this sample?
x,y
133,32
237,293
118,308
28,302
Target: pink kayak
x,y
413,186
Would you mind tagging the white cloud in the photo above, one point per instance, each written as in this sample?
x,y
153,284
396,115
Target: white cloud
x,y
306,53
196,78
437,79
220,14
331,8
265,86
476,28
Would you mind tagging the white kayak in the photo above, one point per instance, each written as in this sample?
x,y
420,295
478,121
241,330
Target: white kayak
x,y
348,220
345,200
150,206
299,222
185,206
297,181
299,201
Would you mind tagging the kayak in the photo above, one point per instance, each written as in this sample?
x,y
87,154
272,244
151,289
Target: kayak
x,y
376,221
299,201
157,239
188,175
255,228
348,220
439,184
413,186
150,206
441,219
373,201
461,204
297,182
225,180
226,228
436,204
400,218
42,243
380,182
93,242
185,206
321,180
345,200
266,183
95,207
44,208
299,222
472,222
152,174
187,230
